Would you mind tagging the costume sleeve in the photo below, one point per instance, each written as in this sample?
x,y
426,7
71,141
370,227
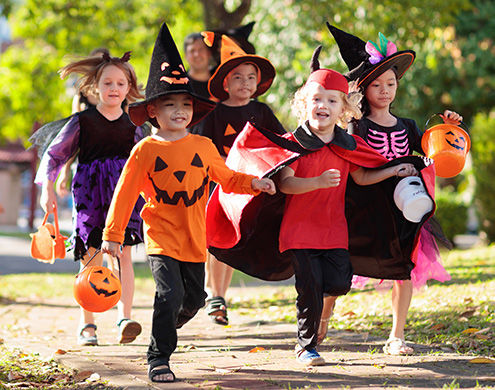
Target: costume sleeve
x,y
130,184
231,181
61,149
414,136
141,132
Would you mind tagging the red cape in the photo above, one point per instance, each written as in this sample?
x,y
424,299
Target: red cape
x,y
242,230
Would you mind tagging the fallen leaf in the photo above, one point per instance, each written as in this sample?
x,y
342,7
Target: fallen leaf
x,y
468,300
190,347
60,352
14,376
482,360
381,365
470,330
438,327
468,313
256,349
350,314
81,376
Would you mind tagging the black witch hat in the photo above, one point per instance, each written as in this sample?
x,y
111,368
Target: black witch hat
x,y
167,76
367,60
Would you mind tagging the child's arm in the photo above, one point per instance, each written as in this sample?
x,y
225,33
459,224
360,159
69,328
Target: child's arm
x,y
363,176
263,185
290,184
47,197
126,193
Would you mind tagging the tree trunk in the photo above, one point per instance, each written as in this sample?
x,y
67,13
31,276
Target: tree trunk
x,y
217,17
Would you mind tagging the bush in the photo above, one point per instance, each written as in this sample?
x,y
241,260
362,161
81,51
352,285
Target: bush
x,y
451,212
483,155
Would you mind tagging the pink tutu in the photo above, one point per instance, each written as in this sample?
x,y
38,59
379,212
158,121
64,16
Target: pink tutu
x,y
427,266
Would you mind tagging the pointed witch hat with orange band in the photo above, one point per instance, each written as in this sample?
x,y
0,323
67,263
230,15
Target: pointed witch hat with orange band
x,y
167,76
231,57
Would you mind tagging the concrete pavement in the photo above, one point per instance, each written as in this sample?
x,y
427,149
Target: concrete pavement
x,y
251,353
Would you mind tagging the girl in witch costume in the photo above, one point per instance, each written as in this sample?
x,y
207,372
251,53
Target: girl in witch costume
x,y
100,162
239,78
171,169
375,69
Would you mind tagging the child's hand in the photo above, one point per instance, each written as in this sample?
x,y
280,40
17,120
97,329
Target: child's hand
x,y
264,185
112,248
403,170
451,117
329,178
48,198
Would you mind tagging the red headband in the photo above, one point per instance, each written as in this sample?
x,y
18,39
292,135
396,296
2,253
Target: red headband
x,y
329,79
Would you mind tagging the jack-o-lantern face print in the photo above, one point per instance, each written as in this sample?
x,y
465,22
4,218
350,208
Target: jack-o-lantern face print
x,y
457,141
173,76
228,138
195,175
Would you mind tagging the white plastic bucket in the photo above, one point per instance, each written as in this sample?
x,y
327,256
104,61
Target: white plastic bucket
x,y
411,198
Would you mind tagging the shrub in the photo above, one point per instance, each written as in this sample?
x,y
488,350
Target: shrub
x,y
483,155
451,212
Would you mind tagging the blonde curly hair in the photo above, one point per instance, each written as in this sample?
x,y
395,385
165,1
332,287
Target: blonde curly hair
x,y
350,101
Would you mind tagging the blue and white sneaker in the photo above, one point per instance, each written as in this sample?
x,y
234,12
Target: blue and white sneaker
x,y
309,357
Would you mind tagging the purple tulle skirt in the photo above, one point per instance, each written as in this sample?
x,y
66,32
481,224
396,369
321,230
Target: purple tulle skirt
x,y
427,266
92,189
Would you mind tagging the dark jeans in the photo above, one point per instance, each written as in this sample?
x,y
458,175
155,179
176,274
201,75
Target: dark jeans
x,y
317,272
178,297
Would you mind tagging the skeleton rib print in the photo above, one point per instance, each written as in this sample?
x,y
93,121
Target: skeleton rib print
x,y
390,145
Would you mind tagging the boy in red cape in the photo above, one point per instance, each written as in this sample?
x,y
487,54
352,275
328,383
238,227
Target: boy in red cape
x,y
305,231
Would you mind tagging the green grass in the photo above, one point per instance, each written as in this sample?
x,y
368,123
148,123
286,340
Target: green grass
x,y
438,315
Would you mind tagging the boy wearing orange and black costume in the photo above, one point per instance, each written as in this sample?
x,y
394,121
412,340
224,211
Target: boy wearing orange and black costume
x,y
171,169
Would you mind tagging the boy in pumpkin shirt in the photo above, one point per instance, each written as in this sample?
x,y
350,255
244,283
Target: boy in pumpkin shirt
x,y
171,169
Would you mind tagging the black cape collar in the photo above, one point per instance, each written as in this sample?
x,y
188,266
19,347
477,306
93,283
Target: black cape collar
x,y
310,141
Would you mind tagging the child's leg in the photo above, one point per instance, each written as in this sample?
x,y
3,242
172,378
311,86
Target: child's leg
x,y
169,297
309,302
218,277
87,317
401,299
326,314
127,280
193,278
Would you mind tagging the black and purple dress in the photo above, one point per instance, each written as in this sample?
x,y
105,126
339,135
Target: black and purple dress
x,y
104,147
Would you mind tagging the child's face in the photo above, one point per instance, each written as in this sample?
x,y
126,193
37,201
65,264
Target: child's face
x,y
173,112
324,107
112,86
198,56
381,91
241,83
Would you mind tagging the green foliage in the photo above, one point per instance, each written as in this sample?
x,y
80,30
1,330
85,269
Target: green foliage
x,y
483,154
452,212
289,33
30,88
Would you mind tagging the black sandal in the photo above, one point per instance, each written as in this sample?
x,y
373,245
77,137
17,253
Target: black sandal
x,y
155,371
216,308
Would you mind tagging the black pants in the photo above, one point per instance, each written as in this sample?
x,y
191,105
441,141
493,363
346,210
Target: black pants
x,y
178,297
317,272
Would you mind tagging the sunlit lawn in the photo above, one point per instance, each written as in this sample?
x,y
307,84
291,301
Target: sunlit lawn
x,y
459,314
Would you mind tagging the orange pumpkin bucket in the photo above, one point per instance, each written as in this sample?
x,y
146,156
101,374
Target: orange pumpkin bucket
x,y
47,244
97,289
448,146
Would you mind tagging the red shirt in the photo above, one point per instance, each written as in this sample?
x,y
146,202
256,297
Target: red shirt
x,y
316,219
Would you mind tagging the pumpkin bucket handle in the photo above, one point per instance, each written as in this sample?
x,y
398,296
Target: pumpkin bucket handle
x,y
94,255
439,114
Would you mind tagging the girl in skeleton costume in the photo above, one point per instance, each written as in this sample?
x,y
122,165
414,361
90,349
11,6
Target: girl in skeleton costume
x,y
103,137
375,70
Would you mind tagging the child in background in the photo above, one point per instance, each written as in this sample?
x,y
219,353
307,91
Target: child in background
x,y
239,78
316,183
171,169
100,163
376,70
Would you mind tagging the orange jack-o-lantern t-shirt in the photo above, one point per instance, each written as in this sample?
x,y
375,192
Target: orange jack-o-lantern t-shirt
x,y
172,177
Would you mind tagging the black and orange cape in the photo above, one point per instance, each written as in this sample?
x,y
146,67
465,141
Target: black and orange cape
x,y
243,230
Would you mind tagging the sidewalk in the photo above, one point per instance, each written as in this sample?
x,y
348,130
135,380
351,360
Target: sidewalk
x,y
210,356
